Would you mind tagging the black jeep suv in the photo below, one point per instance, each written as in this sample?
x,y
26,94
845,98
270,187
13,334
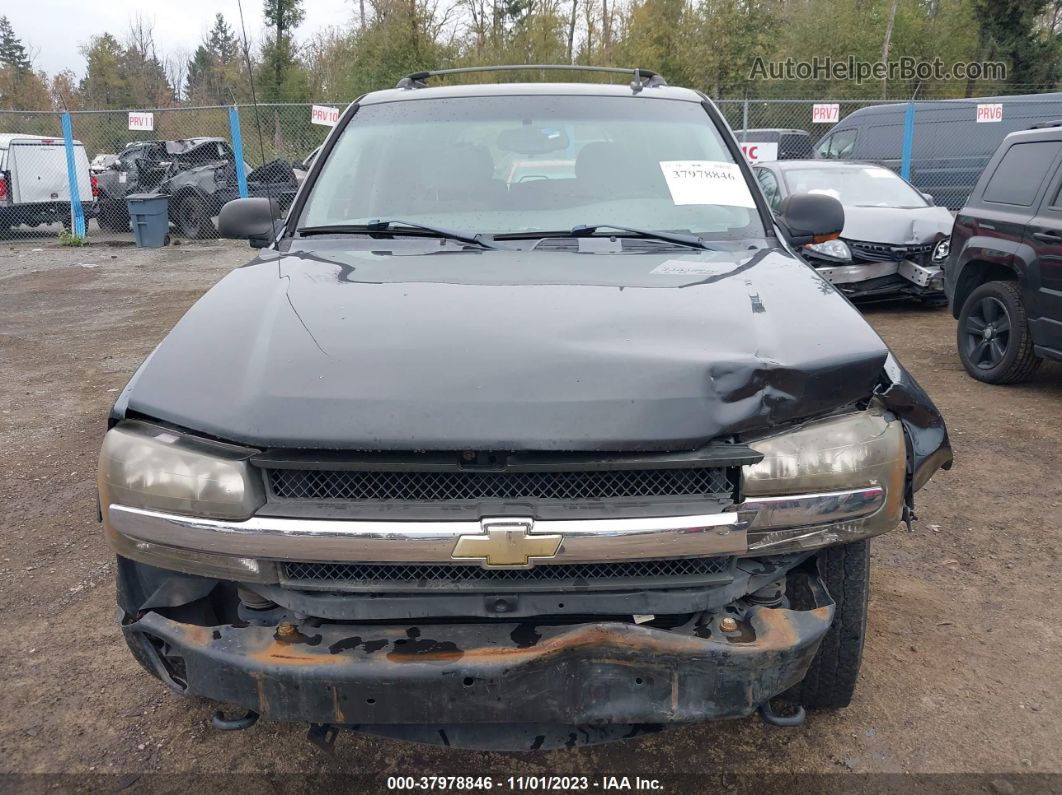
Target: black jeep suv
x,y
1003,276
526,427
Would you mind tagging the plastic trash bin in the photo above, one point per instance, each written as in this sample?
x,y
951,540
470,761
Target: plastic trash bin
x,y
149,215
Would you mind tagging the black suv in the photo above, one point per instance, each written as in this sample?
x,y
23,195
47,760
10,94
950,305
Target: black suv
x,y
526,428
199,176
1003,276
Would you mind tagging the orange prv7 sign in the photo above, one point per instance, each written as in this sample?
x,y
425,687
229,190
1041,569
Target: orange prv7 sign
x,y
825,113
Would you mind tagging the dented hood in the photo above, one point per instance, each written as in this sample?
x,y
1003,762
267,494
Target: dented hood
x,y
423,346
896,225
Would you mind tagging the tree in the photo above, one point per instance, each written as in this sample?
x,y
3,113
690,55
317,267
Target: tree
x,y
20,87
1011,31
104,84
12,51
23,90
64,91
400,36
222,42
280,75
145,74
214,72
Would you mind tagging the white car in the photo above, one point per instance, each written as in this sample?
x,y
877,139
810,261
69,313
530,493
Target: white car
x,y
894,238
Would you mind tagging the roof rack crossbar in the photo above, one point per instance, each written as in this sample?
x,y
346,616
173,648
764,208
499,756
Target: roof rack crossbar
x,y
642,77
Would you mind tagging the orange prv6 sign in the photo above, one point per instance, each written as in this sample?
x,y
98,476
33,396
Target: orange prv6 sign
x,y
990,111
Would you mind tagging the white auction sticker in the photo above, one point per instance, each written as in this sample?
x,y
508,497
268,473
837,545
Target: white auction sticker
x,y
141,121
322,114
679,267
878,173
706,182
825,113
760,151
990,112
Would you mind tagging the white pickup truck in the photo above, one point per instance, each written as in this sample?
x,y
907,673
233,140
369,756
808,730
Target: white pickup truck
x,y
34,187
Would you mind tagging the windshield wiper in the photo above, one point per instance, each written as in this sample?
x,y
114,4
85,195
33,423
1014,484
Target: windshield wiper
x,y
583,230
390,226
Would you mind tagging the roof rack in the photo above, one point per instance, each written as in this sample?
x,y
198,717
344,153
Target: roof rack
x,y
1043,125
642,77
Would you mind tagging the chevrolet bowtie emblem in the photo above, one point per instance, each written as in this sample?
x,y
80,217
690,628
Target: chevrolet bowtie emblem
x,y
507,544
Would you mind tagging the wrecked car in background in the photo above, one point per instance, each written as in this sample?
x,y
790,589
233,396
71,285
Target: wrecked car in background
x,y
514,463
199,176
894,239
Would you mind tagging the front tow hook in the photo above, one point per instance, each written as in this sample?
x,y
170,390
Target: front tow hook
x,y
770,716
221,723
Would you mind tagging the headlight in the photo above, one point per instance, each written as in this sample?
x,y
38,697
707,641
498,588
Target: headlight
x,y
146,466
826,482
833,249
941,251
152,468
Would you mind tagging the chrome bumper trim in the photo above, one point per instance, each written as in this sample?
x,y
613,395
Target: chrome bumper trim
x,y
921,275
808,510
861,272
582,540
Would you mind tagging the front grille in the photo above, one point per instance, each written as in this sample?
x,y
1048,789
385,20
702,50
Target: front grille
x,y
347,576
883,252
421,487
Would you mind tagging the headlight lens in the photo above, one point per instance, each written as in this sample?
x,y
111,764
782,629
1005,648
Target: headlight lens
x,y
824,458
834,249
146,466
941,251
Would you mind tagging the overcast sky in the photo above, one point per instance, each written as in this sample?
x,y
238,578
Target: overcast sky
x,y
54,30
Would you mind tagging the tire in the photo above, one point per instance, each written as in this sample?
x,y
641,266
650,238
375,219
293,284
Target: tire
x,y
993,335
113,216
831,678
193,219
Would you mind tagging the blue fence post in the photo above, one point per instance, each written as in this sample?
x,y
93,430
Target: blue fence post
x,y
237,149
77,214
908,141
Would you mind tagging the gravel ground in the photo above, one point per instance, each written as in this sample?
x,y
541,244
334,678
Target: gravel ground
x,y
961,672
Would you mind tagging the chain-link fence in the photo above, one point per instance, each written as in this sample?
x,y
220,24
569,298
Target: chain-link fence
x,y
941,147
202,157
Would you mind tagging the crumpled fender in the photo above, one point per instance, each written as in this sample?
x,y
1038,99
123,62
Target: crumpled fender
x,y
928,446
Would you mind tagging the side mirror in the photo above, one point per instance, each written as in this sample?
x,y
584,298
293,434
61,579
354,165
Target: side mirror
x,y
810,218
254,220
929,198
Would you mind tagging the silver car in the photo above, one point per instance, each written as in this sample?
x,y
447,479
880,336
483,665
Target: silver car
x,y
894,238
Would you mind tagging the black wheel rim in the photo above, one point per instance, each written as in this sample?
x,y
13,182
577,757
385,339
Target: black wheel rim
x,y
987,331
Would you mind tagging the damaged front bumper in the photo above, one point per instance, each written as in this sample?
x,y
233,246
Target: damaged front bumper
x,y
603,671
883,280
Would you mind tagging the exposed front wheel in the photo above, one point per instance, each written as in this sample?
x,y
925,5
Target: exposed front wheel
x,y
831,679
993,335
192,218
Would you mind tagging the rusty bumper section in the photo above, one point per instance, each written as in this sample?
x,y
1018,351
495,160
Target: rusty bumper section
x,y
603,672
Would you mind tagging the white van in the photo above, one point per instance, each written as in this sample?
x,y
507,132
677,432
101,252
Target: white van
x,y
34,188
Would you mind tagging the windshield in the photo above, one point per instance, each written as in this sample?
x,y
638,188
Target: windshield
x,y
856,185
512,164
